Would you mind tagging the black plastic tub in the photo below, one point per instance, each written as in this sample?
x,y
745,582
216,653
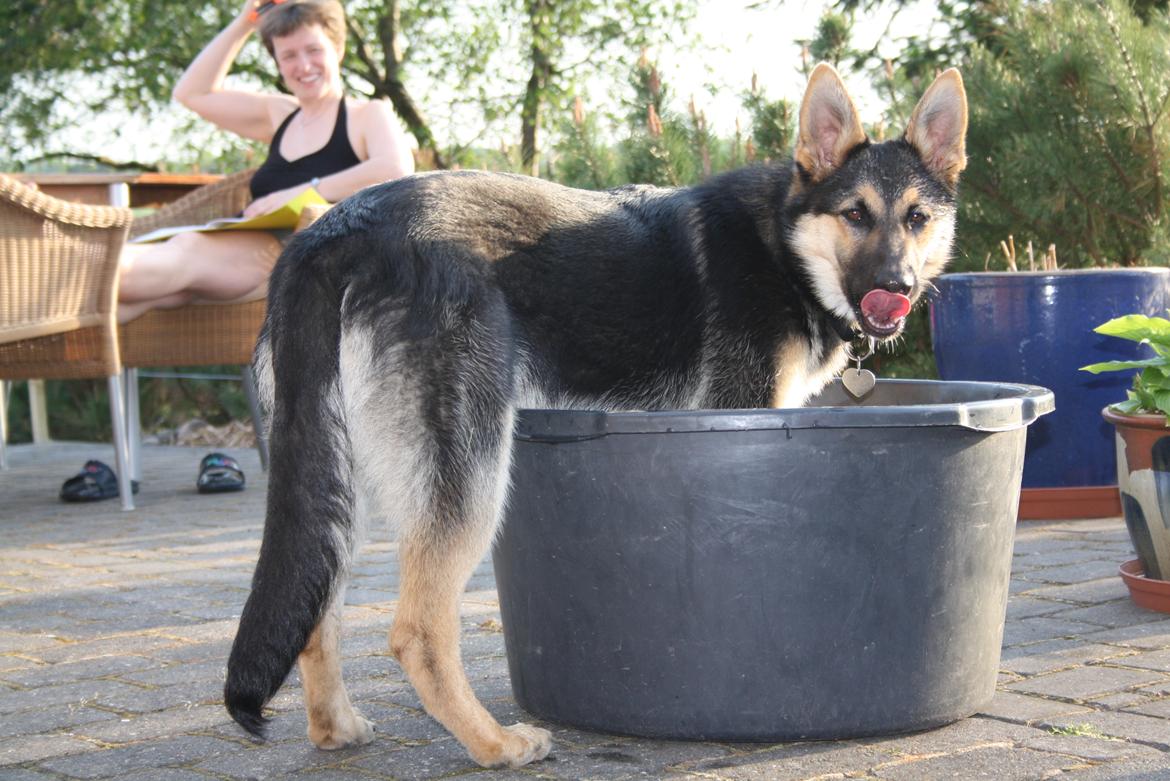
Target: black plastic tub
x,y
833,571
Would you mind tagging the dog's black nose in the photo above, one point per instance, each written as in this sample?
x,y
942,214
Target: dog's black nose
x,y
895,283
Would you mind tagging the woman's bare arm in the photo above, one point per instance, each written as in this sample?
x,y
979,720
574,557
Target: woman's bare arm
x,y
249,114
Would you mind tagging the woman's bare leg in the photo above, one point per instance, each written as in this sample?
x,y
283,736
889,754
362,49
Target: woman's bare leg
x,y
215,266
129,311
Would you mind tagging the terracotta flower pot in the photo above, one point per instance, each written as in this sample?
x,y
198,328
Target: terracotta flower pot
x,y
1143,476
1144,591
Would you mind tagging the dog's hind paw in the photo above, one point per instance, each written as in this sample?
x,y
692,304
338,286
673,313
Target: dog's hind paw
x,y
354,730
521,744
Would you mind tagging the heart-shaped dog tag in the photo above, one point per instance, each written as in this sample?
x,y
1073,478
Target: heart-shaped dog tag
x,y
859,382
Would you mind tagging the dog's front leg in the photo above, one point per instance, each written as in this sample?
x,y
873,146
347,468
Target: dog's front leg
x,y
333,721
425,639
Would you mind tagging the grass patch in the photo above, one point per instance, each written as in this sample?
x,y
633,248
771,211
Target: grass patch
x,y
1079,731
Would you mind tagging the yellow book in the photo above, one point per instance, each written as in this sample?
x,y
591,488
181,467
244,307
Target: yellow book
x,y
285,216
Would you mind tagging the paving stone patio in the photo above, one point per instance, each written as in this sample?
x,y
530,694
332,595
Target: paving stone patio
x,y
114,629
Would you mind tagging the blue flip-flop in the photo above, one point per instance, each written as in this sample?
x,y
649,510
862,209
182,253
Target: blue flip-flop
x,y
219,473
93,483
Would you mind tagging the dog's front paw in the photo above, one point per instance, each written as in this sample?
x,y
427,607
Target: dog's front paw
x,y
351,730
520,744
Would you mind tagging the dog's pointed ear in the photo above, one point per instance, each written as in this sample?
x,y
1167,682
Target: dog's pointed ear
x,y
829,125
938,127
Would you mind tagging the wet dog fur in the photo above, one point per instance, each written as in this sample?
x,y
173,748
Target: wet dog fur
x,y
408,324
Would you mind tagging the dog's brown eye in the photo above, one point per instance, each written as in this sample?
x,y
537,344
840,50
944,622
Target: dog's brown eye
x,y
917,219
854,215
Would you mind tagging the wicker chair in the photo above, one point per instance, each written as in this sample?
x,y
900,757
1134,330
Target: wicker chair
x,y
58,299
199,334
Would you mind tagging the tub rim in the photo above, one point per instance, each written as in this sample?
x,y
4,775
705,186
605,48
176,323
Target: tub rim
x,y
977,406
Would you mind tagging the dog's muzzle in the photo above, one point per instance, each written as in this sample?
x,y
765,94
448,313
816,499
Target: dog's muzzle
x,y
883,313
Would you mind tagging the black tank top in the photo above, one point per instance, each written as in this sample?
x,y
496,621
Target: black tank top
x,y
277,173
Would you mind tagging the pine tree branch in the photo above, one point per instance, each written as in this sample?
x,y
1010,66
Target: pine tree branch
x,y
1147,115
1107,150
1097,206
1005,203
1162,108
1091,209
590,155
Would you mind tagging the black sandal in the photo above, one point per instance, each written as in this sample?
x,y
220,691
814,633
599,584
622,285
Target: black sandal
x,y
219,473
93,483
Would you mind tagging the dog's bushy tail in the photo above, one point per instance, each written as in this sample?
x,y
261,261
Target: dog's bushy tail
x,y
308,528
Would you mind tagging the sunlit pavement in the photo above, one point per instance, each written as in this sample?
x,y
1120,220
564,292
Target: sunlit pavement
x,y
114,630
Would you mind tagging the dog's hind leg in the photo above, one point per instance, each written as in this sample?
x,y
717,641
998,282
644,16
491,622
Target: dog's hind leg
x,y
459,488
333,721
425,638
431,431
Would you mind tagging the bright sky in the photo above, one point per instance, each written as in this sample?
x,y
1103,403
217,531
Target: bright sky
x,y
739,42
744,41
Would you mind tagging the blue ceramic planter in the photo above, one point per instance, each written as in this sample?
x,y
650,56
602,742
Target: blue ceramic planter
x,y
1036,328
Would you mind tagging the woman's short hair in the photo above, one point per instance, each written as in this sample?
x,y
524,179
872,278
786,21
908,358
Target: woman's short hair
x,y
292,15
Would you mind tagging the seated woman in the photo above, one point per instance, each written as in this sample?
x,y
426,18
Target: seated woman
x,y
318,137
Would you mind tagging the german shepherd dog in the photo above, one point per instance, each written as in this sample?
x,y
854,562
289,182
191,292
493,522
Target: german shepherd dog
x,y
411,321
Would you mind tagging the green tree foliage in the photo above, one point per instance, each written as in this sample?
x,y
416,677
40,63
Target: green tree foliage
x,y
947,39
583,158
68,61
1069,138
773,123
831,43
659,144
72,61
659,148
565,36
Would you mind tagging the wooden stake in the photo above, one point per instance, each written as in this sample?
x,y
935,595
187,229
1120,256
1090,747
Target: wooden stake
x,y
1010,255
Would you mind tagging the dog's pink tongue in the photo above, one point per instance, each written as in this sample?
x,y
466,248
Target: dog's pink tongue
x,y
884,306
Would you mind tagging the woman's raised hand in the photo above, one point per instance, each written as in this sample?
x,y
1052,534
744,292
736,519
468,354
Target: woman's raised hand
x,y
247,13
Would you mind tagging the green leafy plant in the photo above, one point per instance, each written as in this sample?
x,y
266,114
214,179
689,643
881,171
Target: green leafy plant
x,y
1151,386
